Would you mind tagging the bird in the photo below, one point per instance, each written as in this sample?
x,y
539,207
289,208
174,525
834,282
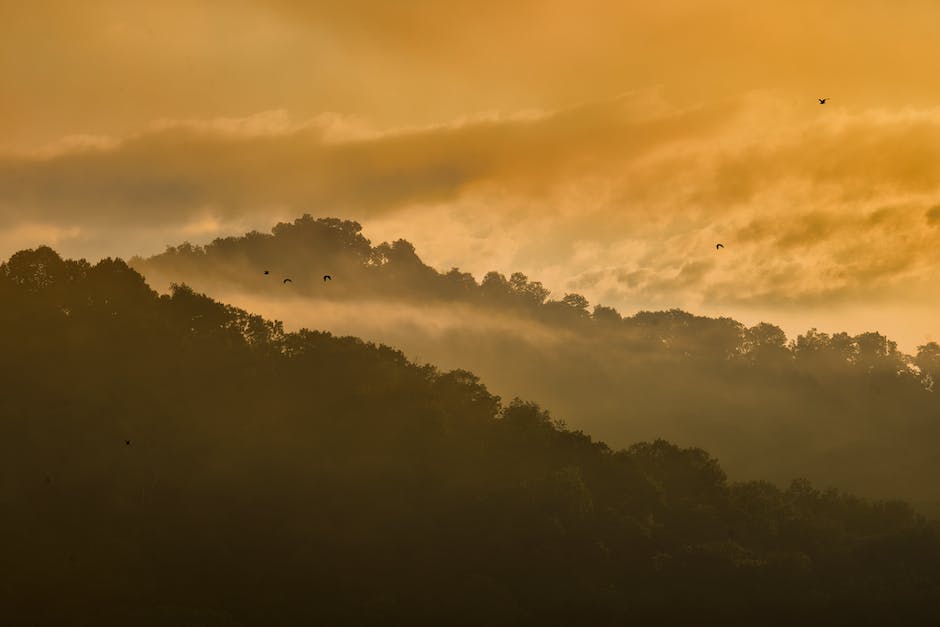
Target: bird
x,y
266,272
327,277
822,100
719,246
285,281
127,442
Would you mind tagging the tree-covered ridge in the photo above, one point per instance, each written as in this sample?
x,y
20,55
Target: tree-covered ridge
x,y
300,478
845,410
309,247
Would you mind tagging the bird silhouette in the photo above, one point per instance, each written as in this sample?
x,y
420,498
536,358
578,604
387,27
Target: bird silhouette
x,y
267,272
718,246
822,100
127,442
327,277
285,281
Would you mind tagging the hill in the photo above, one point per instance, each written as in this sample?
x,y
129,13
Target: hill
x,y
845,410
171,460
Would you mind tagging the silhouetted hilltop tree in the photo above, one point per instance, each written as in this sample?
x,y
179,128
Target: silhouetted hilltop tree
x,y
171,460
307,248
928,363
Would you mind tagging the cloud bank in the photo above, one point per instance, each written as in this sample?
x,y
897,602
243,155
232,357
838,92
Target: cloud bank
x,y
621,199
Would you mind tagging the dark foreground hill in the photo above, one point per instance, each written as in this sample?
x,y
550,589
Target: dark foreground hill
x,y
843,410
170,460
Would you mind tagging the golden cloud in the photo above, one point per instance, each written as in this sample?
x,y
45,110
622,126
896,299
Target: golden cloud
x,y
623,199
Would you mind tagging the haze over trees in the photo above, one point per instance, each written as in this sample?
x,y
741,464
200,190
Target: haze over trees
x,y
844,410
300,478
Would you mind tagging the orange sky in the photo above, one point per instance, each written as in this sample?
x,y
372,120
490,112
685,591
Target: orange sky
x,y
601,147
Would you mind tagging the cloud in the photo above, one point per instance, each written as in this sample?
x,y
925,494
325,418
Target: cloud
x,y
233,168
622,199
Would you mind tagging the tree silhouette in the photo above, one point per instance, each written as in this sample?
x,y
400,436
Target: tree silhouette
x,y
302,478
818,405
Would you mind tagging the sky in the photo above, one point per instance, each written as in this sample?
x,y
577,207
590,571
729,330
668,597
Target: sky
x,y
600,147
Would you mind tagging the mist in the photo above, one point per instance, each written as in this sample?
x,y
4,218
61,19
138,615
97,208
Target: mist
x,y
822,406
469,313
170,459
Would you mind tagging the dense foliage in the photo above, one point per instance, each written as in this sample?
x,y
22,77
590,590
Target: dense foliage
x,y
846,410
170,460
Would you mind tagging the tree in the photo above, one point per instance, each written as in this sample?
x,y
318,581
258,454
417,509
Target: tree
x,y
606,315
928,362
766,344
531,291
576,301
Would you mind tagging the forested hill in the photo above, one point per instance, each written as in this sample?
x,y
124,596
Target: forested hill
x,y
170,460
846,410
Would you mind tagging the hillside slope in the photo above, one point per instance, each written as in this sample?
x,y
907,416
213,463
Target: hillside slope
x,y
170,460
849,411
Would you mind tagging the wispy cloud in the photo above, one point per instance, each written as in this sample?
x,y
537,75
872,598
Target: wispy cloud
x,y
622,199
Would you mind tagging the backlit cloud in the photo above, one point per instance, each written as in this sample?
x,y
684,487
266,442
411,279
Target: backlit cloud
x,y
599,147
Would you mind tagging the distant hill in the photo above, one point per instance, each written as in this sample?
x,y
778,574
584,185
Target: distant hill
x,y
848,411
171,460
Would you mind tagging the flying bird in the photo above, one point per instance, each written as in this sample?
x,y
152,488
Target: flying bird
x,y
286,281
718,246
822,100
127,442
327,277
266,272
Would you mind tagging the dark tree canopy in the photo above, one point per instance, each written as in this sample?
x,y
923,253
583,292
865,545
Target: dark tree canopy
x,y
300,478
819,405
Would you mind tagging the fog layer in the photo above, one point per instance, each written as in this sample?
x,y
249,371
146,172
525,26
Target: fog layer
x,y
846,410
